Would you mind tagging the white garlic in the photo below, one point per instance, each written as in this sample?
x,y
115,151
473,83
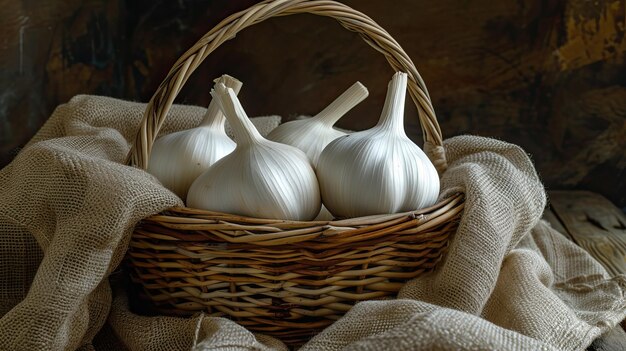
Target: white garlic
x,y
379,170
177,159
311,135
261,178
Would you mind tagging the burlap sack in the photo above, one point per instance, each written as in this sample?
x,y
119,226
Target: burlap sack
x,y
68,206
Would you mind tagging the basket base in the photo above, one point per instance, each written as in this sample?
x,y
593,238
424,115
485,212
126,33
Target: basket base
x,y
292,334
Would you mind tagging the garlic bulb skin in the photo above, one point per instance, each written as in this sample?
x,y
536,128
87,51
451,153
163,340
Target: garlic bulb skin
x,y
379,170
177,159
311,135
261,178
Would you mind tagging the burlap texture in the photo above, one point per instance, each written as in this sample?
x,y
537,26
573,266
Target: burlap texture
x,y
68,206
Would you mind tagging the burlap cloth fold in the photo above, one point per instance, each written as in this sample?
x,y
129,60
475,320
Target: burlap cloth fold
x,y
68,206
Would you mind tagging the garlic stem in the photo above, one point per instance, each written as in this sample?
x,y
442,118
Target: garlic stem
x,y
392,117
214,116
342,104
244,131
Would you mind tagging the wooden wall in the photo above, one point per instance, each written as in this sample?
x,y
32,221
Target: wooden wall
x,y
549,75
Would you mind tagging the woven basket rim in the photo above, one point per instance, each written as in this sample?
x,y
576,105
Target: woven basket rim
x,y
190,212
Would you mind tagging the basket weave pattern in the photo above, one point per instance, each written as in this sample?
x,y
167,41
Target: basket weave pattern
x,y
281,277
284,278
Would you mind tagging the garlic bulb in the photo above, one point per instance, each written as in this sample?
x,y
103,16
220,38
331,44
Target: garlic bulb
x,y
379,170
177,159
311,135
261,178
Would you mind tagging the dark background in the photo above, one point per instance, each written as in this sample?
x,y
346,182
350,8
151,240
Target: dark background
x,y
547,75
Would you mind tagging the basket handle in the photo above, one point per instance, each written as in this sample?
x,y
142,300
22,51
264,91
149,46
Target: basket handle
x,y
370,31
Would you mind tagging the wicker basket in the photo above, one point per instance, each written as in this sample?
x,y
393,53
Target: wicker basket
x,y
283,278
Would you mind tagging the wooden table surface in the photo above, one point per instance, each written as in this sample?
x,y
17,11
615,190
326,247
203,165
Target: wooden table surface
x,y
598,226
